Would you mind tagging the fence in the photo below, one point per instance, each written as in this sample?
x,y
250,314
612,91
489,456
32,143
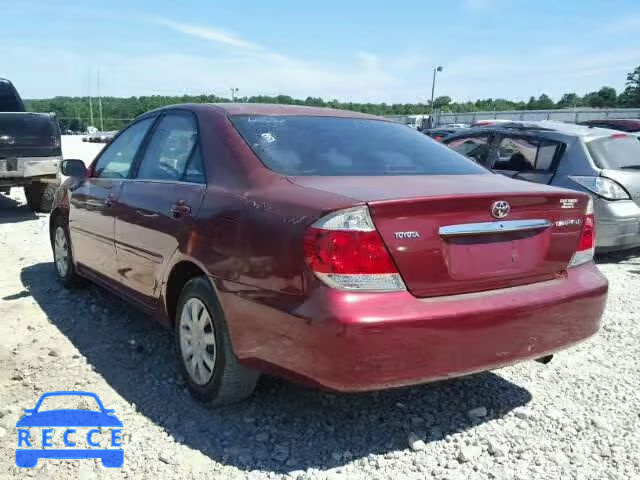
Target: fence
x,y
566,115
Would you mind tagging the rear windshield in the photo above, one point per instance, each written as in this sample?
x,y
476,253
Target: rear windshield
x,y
616,152
9,100
29,128
306,145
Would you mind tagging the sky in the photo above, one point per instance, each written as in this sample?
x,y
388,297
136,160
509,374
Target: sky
x,y
350,50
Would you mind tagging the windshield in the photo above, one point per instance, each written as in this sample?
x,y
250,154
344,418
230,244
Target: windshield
x,y
615,152
306,145
67,402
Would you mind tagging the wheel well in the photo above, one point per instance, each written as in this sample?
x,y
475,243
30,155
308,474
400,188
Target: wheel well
x,y
182,272
52,218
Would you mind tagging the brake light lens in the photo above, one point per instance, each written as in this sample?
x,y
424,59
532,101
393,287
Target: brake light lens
x,y
602,186
587,243
345,251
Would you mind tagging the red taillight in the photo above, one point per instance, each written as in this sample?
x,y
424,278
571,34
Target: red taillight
x,y
438,138
344,250
588,237
350,252
587,243
619,135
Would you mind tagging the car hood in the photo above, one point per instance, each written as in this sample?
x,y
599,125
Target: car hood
x,y
69,418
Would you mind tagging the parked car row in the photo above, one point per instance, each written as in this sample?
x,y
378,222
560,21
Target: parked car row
x,y
100,137
339,249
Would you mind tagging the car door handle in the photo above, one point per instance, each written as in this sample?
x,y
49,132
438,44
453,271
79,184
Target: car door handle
x,y
180,209
109,200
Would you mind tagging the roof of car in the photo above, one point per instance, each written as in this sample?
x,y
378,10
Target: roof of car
x,y
545,125
268,109
283,109
615,121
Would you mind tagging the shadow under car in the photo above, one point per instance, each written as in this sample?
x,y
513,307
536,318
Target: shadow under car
x,y
283,426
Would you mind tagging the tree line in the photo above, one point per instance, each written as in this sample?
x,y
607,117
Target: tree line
x,y
74,112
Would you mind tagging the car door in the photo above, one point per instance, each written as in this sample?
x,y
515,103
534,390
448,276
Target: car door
x,y
92,201
526,157
157,209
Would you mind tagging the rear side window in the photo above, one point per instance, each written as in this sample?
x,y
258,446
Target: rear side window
x,y
524,154
306,145
620,151
172,145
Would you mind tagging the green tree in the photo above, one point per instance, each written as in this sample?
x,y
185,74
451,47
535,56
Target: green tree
x,y
441,103
570,100
631,95
545,103
609,96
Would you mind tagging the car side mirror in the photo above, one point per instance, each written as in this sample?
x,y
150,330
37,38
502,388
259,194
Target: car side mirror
x,y
73,168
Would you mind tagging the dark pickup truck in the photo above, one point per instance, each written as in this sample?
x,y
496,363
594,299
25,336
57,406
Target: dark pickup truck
x,y
30,151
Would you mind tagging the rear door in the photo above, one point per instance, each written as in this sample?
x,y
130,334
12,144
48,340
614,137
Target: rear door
x,y
526,157
91,218
157,209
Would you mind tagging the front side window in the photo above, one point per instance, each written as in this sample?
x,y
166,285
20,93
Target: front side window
x,y
523,154
476,147
118,157
172,146
327,146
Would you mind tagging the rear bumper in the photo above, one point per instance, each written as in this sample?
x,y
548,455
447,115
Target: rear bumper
x,y
27,167
352,342
618,225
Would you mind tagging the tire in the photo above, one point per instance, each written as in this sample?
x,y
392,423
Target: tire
x,y
63,262
219,378
40,196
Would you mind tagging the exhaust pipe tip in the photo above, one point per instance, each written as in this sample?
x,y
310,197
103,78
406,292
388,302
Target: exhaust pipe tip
x,y
544,360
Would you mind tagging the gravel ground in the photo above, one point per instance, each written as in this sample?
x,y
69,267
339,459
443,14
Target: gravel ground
x,y
576,418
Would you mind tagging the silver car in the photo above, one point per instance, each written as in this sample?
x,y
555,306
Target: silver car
x,y
604,163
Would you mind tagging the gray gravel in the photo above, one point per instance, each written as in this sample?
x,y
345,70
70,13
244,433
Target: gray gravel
x,y
576,418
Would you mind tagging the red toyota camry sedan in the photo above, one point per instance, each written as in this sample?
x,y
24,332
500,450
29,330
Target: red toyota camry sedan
x,y
333,248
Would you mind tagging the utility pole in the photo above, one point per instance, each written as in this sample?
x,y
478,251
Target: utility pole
x,y
433,86
100,104
90,102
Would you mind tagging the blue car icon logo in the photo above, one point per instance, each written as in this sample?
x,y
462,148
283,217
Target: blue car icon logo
x,y
73,441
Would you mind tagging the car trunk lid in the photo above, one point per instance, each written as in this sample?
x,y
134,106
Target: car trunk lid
x,y
444,240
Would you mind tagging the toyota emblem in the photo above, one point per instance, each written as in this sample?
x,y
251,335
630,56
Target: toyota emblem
x,y
500,209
